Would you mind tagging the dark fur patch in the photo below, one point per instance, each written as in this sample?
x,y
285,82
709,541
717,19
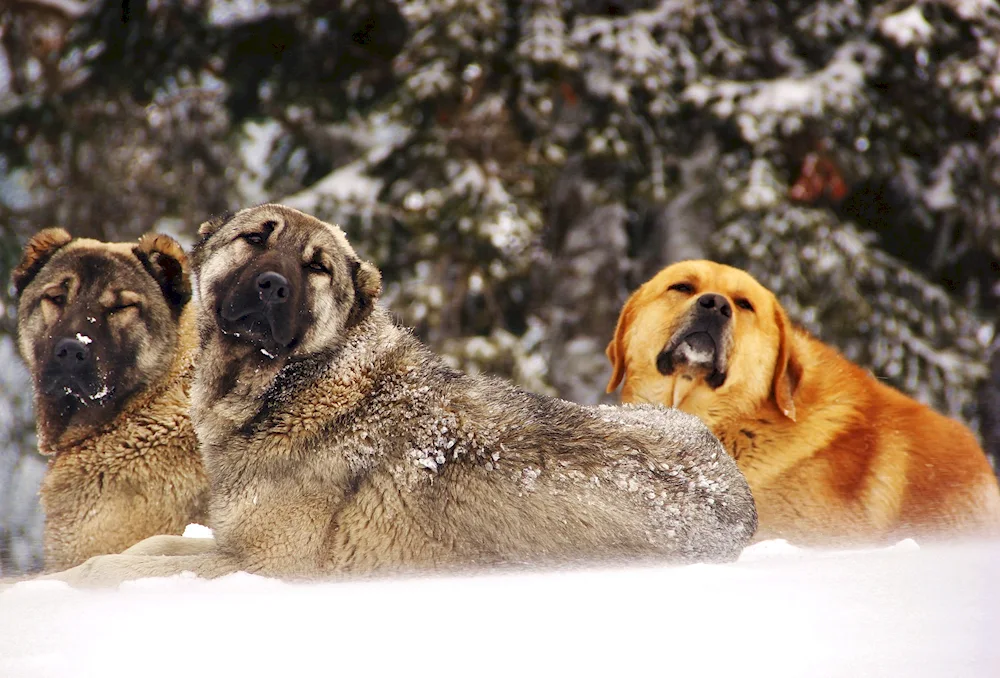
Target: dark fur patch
x,y
297,374
92,268
227,382
275,327
164,259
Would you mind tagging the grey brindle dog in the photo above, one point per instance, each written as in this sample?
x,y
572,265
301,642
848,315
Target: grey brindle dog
x,y
337,444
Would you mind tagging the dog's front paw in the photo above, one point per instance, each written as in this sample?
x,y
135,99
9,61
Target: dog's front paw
x,y
171,545
96,572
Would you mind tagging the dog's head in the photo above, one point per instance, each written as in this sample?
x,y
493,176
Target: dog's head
x,y
699,332
97,322
278,282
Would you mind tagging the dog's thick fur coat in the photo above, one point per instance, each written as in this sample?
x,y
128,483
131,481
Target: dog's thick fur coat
x,y
337,444
833,456
125,462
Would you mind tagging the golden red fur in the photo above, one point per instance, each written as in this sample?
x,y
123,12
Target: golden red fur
x,y
832,455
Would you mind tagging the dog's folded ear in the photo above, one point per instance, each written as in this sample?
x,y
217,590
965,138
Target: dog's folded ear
x,y
42,246
208,228
367,289
619,342
164,259
787,368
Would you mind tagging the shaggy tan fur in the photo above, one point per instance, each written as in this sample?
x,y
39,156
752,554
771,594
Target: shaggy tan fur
x,y
125,462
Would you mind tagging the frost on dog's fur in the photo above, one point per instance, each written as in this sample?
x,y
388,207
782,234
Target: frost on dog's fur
x,y
355,450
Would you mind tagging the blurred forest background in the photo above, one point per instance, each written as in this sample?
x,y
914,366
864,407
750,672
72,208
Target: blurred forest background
x,y
517,167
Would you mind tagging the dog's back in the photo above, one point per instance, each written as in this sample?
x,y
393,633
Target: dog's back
x,y
415,466
864,463
547,480
949,487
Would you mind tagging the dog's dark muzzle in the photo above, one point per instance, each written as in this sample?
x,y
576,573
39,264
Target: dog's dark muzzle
x,y
72,370
261,310
699,346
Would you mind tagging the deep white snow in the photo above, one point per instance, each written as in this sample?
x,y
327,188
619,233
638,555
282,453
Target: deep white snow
x,y
780,611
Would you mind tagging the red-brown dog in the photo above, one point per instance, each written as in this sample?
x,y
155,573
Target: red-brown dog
x,y
832,455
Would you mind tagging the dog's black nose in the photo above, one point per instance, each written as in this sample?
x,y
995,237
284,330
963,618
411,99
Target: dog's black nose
x,y
71,355
272,287
716,302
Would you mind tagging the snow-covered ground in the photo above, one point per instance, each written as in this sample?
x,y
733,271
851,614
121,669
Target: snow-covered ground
x,y
780,611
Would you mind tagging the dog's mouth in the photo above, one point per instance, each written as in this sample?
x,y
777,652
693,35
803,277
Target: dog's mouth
x,y
81,391
264,330
695,352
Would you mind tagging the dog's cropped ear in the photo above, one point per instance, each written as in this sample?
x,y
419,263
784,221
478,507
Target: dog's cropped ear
x,y
37,253
619,343
164,259
208,228
367,289
787,368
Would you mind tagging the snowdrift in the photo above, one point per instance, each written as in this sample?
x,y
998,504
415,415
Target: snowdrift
x,y
779,611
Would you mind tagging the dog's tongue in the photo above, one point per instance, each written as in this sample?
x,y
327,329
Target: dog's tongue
x,y
698,349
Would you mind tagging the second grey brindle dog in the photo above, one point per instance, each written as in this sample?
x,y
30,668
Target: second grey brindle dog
x,y
337,444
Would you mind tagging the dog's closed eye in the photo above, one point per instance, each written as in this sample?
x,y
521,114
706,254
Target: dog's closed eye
x,y
57,298
686,288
